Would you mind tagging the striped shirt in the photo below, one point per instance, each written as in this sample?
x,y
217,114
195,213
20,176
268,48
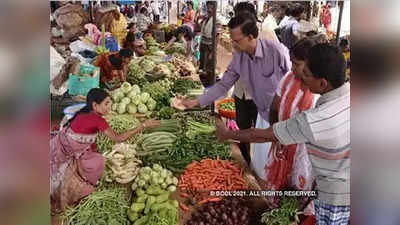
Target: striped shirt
x,y
326,132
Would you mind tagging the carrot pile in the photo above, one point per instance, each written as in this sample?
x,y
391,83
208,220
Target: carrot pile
x,y
211,175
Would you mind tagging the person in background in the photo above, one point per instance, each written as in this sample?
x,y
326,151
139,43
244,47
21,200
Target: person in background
x,y
75,165
149,10
114,66
155,6
325,129
134,44
246,109
190,15
118,27
206,50
143,20
260,64
290,27
183,34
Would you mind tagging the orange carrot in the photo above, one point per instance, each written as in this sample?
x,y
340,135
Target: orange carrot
x,y
183,206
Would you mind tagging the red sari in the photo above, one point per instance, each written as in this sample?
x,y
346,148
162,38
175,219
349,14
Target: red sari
x,y
75,168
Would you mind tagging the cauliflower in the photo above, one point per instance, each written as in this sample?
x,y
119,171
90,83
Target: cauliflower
x,y
121,108
132,109
142,108
144,97
126,100
126,87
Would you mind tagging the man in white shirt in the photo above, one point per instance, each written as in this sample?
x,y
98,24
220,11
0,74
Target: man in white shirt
x,y
156,11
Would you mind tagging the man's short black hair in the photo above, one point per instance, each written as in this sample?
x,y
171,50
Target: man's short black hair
x,y
327,61
116,62
247,24
301,48
125,53
190,3
245,7
297,10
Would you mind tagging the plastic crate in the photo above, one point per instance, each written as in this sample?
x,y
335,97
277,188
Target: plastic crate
x,y
81,85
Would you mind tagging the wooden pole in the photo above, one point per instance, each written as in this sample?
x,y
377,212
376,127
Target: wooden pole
x,y
214,48
341,3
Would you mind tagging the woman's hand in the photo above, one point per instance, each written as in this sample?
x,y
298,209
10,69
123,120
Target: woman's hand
x,y
151,123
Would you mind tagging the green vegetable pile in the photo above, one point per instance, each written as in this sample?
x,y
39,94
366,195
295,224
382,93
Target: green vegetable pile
x,y
182,86
171,126
160,91
136,75
102,207
120,123
129,99
229,106
176,47
155,142
155,177
153,207
286,214
165,112
184,150
197,128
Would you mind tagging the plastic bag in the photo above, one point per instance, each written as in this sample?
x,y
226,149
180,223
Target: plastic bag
x,y
302,177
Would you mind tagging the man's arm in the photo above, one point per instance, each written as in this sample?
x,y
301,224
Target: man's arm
x,y
252,135
219,89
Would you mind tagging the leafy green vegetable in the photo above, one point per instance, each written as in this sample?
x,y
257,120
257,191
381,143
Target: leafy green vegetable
x,y
121,108
286,214
181,86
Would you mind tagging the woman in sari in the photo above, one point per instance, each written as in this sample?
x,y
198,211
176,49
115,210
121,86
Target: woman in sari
x,y
75,166
113,67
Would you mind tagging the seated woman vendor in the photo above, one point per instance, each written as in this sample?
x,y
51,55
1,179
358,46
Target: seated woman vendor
x,y
75,166
114,66
184,34
137,46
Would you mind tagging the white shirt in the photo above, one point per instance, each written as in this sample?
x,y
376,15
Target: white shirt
x,y
155,7
326,131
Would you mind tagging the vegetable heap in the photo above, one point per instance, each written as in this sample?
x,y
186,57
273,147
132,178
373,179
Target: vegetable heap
x,y
155,142
166,112
176,47
183,67
229,106
160,91
286,214
122,164
185,149
197,128
181,86
171,126
136,75
201,177
153,205
129,99
156,177
228,211
102,207
120,123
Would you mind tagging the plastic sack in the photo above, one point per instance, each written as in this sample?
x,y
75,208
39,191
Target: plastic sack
x,y
79,46
302,177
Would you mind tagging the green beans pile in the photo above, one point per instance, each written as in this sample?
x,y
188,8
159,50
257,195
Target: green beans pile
x,y
230,106
103,207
